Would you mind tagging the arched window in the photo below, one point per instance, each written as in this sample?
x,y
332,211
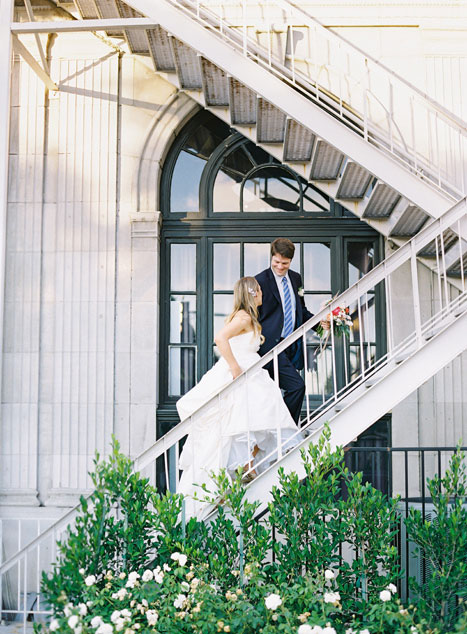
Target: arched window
x,y
224,200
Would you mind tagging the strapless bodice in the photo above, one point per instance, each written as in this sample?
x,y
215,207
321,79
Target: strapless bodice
x,y
244,344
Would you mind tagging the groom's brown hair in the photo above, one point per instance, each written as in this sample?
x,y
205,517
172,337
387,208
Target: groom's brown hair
x,y
284,247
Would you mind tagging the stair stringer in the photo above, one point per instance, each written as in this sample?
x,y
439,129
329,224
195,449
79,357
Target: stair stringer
x,y
370,406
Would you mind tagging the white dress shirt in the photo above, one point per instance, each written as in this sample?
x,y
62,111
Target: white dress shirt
x,y
279,283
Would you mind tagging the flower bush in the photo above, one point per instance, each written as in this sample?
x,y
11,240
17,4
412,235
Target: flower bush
x,y
181,599
286,573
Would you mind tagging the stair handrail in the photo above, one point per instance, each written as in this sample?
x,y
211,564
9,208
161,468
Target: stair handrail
x,y
423,164
378,274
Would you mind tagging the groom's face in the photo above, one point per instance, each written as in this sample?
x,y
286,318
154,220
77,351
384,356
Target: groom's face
x,y
279,264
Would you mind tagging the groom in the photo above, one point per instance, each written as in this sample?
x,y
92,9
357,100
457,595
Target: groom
x,y
283,310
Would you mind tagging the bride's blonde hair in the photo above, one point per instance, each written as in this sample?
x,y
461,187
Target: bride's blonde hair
x,y
245,290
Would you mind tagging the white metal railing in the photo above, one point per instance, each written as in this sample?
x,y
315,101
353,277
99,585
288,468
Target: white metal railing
x,y
386,110
358,359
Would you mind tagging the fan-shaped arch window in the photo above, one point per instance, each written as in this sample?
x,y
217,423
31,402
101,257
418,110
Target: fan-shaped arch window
x,y
213,169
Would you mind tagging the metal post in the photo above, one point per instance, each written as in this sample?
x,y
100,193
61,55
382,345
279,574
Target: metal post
x,y
416,295
305,364
6,17
183,520
461,254
37,36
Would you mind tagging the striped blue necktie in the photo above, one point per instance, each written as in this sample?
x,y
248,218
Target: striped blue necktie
x,y
288,319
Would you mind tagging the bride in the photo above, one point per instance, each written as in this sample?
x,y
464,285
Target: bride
x,y
238,429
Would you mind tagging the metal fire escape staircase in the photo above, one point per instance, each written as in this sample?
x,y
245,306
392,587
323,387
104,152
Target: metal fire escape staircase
x,y
415,351
342,121
366,137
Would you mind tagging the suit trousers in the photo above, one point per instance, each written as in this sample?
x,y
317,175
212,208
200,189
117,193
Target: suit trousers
x,y
291,382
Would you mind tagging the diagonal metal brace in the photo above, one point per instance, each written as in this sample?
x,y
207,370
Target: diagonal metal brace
x,y
19,48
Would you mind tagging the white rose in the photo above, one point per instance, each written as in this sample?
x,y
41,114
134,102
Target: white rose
x,y
392,588
83,610
90,581
180,601
121,594
120,624
147,575
317,629
175,556
81,571
166,567
385,595
115,616
273,601
126,613
96,621
152,617
67,609
182,560
132,579
73,621
185,586
332,597
364,631
305,629
158,577
328,630
54,625
329,574
105,628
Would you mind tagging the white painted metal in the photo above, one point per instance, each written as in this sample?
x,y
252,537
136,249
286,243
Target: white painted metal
x,y
410,222
19,48
380,385
226,50
6,16
37,37
72,26
242,98
380,396
381,202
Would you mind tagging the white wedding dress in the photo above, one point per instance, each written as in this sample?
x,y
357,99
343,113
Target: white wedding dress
x,y
224,433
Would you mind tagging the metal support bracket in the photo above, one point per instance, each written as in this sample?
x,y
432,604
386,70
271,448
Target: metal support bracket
x,y
19,48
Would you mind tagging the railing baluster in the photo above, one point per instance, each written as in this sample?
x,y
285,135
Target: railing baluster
x,y
166,469
461,254
305,369
333,357
389,316
360,337
245,27
177,468
445,280
276,368
416,295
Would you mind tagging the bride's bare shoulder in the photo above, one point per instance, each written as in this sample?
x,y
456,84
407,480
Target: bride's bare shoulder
x,y
243,316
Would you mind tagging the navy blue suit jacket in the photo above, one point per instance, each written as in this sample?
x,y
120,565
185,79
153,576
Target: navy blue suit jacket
x,y
271,314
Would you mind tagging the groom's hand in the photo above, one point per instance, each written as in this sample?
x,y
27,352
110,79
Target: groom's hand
x,y
325,325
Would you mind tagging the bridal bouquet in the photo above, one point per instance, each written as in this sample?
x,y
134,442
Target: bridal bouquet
x,y
342,322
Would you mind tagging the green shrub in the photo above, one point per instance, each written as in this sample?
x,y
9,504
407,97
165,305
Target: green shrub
x,y
124,560
443,543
